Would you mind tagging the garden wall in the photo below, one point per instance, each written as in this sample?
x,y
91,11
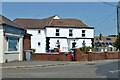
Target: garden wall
x,y
79,56
51,56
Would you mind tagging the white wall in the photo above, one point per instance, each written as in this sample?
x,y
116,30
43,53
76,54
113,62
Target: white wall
x,y
13,55
63,44
80,41
38,37
67,42
64,32
1,44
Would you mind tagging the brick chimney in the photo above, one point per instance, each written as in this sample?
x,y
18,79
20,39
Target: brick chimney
x,y
100,36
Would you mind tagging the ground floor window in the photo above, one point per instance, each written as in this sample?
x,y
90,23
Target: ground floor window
x,y
12,44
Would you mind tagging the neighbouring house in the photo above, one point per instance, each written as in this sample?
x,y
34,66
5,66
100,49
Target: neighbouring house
x,y
105,42
11,40
55,32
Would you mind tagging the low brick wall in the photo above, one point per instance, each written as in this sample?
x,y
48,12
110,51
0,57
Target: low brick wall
x,y
52,57
105,55
79,56
98,56
113,55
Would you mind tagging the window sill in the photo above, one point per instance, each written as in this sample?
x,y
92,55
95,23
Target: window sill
x,y
11,52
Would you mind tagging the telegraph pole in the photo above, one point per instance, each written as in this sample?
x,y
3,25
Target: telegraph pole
x,y
117,22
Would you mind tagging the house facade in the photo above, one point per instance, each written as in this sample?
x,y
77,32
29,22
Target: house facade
x,y
104,43
104,40
11,40
54,32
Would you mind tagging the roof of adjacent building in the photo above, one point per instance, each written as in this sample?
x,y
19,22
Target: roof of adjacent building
x,y
105,39
6,21
50,21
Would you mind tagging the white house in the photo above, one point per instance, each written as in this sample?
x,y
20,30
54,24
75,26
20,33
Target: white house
x,y
11,40
54,32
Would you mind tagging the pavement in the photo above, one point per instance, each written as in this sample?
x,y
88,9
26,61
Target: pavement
x,y
34,63
39,63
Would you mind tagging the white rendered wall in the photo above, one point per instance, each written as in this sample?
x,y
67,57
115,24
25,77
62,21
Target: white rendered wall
x,y
1,44
80,41
38,37
13,55
64,32
20,49
63,44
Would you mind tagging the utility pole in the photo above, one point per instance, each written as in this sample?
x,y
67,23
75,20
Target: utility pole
x,y
117,22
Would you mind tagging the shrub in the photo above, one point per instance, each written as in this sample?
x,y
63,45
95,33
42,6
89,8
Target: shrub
x,y
85,49
33,50
6,61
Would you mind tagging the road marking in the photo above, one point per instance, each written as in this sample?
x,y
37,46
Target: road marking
x,y
114,71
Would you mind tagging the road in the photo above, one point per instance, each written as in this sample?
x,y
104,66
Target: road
x,y
95,69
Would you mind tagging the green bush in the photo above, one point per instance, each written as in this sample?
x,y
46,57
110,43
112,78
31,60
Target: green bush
x,y
33,50
6,61
85,49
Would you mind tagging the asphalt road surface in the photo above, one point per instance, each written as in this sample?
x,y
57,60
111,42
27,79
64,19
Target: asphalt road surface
x,y
95,69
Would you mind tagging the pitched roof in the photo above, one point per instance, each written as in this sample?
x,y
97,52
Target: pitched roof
x,y
105,39
67,23
31,23
50,21
6,21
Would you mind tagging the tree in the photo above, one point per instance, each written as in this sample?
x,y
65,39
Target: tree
x,y
117,43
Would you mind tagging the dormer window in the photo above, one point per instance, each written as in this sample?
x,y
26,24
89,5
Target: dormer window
x,y
57,32
70,32
83,33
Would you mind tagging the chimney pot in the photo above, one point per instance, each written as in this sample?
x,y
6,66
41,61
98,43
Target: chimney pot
x,y
100,36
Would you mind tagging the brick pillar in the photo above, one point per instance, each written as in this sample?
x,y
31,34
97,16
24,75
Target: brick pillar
x,y
106,55
90,56
77,55
118,54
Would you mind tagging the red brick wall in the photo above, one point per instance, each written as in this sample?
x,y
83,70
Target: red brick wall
x,y
105,55
113,55
79,56
98,56
53,57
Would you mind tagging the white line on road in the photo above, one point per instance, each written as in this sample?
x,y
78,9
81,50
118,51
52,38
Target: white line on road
x,y
114,71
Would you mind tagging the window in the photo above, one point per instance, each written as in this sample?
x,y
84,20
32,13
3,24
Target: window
x,y
70,32
103,43
38,43
107,43
83,44
12,44
57,32
108,39
39,31
58,44
83,33
96,38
